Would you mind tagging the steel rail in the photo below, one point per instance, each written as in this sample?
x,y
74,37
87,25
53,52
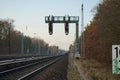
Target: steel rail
x,y
24,66
29,75
14,61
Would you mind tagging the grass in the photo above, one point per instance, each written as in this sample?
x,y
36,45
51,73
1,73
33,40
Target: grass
x,y
96,71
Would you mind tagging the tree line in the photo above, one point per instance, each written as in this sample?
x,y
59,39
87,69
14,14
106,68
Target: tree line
x,y
11,41
103,31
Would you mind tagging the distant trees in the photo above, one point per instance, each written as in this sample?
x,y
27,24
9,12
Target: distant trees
x,y
5,28
15,42
39,46
103,31
12,39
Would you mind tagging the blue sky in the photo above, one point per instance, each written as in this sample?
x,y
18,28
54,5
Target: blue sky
x,y
31,13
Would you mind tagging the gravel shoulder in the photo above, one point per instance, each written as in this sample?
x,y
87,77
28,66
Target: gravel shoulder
x,y
57,71
72,72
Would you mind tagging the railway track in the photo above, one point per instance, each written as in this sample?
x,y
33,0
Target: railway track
x,y
26,71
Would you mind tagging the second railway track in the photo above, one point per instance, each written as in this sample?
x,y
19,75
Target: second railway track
x,y
26,71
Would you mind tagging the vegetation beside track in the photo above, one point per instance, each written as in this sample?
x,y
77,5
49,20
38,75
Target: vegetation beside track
x,y
95,70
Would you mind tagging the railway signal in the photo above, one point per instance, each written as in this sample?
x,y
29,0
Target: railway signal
x,y
66,28
66,20
61,19
50,28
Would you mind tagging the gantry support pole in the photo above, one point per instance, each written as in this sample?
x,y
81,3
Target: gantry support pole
x,y
77,38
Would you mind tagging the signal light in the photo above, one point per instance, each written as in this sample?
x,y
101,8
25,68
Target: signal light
x,y
66,28
50,28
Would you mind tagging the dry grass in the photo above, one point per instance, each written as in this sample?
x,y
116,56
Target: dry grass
x,y
72,71
96,71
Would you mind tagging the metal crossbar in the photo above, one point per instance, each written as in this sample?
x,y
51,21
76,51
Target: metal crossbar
x,y
62,19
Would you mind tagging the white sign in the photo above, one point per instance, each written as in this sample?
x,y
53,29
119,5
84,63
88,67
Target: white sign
x,y
116,59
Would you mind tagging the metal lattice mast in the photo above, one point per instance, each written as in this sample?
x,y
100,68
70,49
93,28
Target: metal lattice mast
x,y
82,33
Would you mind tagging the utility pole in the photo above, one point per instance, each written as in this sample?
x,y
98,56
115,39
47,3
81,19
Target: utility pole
x,y
28,49
9,42
22,44
9,30
38,47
